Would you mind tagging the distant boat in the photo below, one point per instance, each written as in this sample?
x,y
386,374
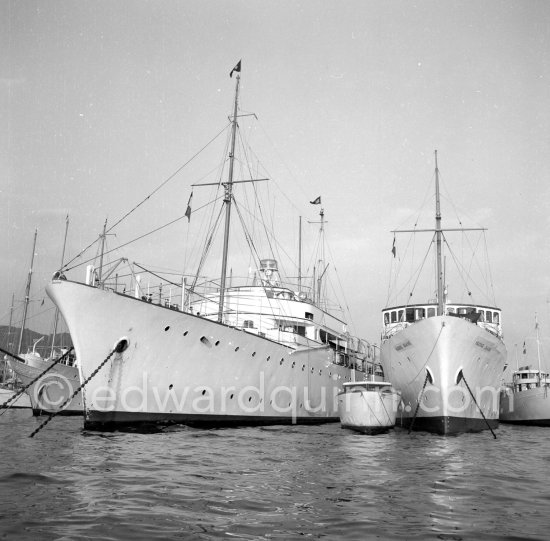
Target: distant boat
x,y
446,358
269,351
368,406
526,400
49,393
6,393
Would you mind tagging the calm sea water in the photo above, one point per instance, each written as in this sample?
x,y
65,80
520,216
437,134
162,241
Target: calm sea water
x,y
293,482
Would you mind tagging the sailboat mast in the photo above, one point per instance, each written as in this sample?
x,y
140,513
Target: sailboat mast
x,y
300,255
438,238
27,294
538,343
227,200
56,319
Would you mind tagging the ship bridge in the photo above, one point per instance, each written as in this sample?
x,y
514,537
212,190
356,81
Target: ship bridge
x,y
397,318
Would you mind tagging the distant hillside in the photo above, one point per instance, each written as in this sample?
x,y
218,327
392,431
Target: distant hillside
x,y
29,337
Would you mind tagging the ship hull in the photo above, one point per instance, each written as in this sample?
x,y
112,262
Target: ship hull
x,y
368,412
22,401
177,367
527,407
448,370
49,394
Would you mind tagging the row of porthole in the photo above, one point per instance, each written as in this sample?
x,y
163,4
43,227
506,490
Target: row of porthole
x,y
207,343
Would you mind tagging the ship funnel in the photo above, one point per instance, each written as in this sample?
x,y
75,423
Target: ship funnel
x,y
268,274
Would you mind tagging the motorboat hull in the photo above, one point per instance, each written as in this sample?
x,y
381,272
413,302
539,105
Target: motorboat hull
x,y
49,394
368,411
526,407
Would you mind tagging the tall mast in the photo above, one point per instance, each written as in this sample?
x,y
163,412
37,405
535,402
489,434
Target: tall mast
x,y
11,319
300,255
227,200
538,342
438,237
103,236
56,319
27,294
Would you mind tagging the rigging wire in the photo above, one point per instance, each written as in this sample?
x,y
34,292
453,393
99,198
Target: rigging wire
x,y
64,267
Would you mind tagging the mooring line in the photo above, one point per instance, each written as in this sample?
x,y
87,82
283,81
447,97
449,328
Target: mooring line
x,y
22,390
119,348
419,401
475,402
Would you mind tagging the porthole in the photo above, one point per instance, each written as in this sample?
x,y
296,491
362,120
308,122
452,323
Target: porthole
x,y
237,348
170,387
253,354
231,397
185,333
167,328
203,392
206,342
250,399
268,358
217,343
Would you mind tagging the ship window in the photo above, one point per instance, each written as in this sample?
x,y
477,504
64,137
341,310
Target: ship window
x,y
394,317
481,315
309,315
420,313
248,324
409,315
489,316
431,312
386,318
495,317
450,310
401,315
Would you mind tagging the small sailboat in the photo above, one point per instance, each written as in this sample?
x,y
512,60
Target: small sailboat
x,y
445,357
51,392
267,348
368,406
526,400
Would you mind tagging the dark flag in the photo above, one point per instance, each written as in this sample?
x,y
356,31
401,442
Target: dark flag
x,y
237,68
524,348
316,201
393,249
188,210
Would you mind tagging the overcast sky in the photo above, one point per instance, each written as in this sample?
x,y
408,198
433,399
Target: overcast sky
x,y
102,100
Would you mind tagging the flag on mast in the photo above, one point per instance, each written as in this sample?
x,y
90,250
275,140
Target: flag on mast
x,y
316,201
188,210
237,68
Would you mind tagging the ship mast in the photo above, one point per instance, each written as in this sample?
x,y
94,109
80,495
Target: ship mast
x,y
27,293
438,239
538,344
56,318
227,200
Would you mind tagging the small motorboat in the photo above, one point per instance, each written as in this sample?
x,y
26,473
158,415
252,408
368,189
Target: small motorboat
x,y
368,406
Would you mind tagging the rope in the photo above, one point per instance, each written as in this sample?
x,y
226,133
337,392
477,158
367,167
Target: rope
x,y
119,348
475,402
419,400
21,391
